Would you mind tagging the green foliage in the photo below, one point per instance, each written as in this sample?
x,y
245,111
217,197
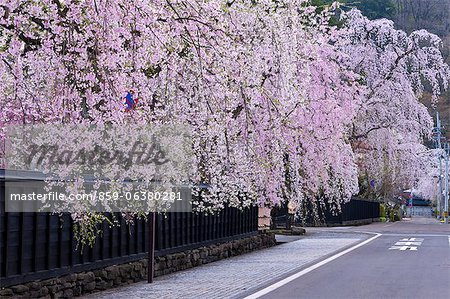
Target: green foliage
x,y
382,210
373,9
321,4
86,232
391,215
389,212
394,213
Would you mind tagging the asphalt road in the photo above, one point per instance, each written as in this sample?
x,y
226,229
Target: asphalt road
x,y
410,259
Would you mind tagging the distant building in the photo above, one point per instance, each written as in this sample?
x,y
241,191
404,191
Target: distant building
x,y
418,207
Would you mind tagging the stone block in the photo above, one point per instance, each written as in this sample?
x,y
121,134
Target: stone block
x,y
160,265
112,272
101,273
137,267
77,290
34,286
103,285
6,292
214,250
55,288
125,270
68,293
71,277
20,289
39,293
90,286
297,230
117,281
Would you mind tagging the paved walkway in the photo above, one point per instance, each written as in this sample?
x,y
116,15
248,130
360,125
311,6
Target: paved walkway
x,y
236,276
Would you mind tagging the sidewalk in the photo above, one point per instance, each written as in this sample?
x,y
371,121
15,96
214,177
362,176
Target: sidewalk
x,y
238,276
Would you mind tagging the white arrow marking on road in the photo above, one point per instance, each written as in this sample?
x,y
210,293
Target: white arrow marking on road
x,y
403,248
408,243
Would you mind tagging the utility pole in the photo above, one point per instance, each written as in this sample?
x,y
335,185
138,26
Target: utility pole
x,y
446,156
441,199
437,137
444,153
411,207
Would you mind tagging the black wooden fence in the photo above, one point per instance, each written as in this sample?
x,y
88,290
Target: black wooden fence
x,y
355,209
40,245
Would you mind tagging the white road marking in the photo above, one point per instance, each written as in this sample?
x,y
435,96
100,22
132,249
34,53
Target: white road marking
x,y
448,240
408,243
403,248
417,235
412,239
307,270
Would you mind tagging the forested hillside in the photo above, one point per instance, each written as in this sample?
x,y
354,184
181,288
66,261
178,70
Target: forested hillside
x,y
411,15
434,16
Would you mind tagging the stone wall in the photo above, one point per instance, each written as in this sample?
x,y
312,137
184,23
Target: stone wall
x,y
357,222
77,284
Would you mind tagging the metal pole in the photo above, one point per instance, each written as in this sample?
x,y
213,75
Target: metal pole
x,y
438,202
411,207
438,139
151,246
446,184
440,186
